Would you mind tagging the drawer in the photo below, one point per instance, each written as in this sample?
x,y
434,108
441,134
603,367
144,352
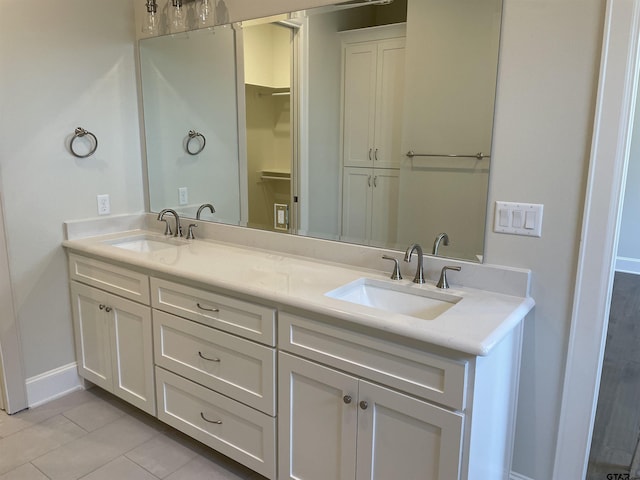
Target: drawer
x,y
123,282
414,371
233,366
229,427
245,319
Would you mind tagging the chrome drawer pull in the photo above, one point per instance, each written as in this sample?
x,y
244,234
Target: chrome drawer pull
x,y
217,422
207,309
209,359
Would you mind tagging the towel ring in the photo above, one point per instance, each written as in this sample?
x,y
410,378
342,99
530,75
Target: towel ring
x,y
193,134
81,132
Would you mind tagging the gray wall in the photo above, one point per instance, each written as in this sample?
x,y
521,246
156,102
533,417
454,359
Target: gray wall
x,y
79,71
63,64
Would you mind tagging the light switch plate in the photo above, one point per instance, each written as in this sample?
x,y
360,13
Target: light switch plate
x,y
281,216
517,218
183,195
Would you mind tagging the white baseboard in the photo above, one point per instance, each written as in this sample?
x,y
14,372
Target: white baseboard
x,y
517,476
52,384
628,265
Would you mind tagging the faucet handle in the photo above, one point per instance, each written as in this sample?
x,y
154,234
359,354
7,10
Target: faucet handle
x,y
190,235
443,283
396,275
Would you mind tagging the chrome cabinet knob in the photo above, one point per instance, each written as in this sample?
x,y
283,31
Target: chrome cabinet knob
x,y
364,405
108,309
347,399
101,307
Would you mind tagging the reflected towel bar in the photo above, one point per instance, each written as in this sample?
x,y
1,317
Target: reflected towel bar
x,y
478,155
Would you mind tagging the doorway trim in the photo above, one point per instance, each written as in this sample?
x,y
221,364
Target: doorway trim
x,y
13,378
611,141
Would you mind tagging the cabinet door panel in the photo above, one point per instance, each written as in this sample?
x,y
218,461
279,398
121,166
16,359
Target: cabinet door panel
x,y
90,330
317,429
132,346
359,104
389,103
356,204
384,211
403,437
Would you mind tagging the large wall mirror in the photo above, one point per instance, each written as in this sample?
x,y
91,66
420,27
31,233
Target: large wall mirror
x,y
361,122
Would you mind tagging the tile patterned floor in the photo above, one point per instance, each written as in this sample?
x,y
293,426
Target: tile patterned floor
x,y
92,435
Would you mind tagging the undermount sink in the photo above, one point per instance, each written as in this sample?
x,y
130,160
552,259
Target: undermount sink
x,y
395,298
145,243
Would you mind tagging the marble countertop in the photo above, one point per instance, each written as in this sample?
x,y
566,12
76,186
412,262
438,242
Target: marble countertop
x,y
474,325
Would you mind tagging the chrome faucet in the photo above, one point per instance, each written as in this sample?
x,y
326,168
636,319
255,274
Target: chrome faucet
x,y
442,237
419,278
202,207
167,230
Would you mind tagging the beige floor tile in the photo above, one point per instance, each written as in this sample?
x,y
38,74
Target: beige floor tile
x,y
216,468
120,468
162,455
95,449
10,424
94,414
37,440
25,472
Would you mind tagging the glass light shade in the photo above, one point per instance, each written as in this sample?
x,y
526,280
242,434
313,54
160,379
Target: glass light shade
x,y
178,18
205,11
150,23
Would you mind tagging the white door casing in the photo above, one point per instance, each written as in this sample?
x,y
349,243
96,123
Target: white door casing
x,y
601,221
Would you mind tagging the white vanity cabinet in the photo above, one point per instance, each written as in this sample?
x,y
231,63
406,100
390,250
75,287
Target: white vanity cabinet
x,y
358,406
113,334
373,86
335,425
215,371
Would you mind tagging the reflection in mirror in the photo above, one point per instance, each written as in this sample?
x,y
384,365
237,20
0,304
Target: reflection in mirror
x,y
315,141
189,84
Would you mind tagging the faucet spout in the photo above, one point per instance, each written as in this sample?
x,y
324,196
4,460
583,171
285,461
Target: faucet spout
x,y
419,277
178,226
441,237
202,207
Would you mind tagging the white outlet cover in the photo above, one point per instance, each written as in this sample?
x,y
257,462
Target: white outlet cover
x,y
104,204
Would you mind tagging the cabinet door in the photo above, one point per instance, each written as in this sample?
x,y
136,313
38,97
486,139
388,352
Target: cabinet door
x,y
132,352
91,330
356,204
403,437
317,421
389,103
384,210
359,90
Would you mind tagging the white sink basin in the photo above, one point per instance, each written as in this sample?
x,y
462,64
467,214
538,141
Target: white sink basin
x,y
395,298
145,243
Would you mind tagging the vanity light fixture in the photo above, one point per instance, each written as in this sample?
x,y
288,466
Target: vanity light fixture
x,y
150,22
178,20
205,11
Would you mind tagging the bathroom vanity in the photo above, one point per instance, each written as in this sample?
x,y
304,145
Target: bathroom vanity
x,y
275,361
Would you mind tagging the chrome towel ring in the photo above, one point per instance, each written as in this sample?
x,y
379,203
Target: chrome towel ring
x,y
193,134
81,132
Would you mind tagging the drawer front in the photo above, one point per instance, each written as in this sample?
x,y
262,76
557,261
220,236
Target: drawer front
x,y
245,319
230,365
229,427
123,282
429,376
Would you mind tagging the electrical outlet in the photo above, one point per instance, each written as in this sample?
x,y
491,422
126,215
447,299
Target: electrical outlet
x,y
183,195
281,216
104,204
